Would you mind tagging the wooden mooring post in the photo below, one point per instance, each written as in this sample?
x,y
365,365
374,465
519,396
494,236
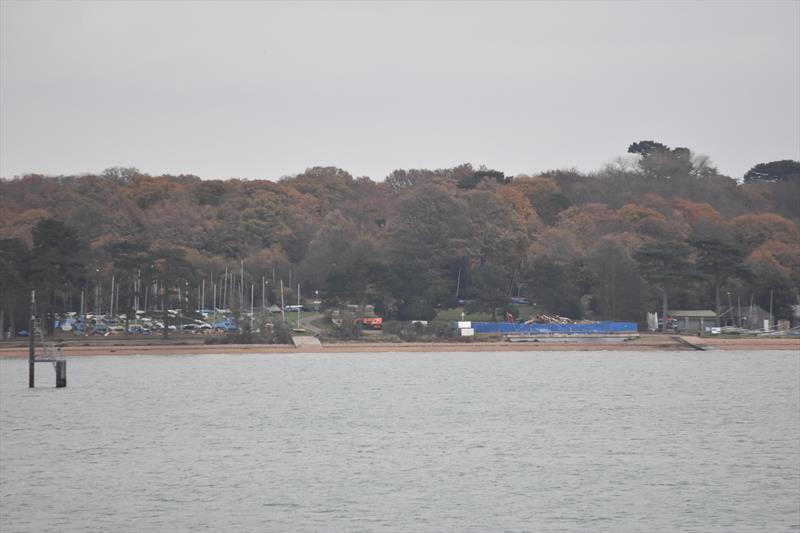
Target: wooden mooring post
x,y
61,374
31,346
59,363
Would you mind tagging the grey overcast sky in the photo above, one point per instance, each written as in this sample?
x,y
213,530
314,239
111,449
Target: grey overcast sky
x,y
263,90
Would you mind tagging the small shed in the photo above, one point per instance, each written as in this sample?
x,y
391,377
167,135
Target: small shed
x,y
693,320
749,317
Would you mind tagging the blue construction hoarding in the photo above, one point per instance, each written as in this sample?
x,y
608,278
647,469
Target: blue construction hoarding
x,y
602,328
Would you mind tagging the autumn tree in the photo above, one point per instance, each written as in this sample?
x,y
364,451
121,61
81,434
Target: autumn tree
x,y
720,260
772,287
544,195
470,181
401,179
489,289
754,229
617,287
122,174
588,222
783,170
430,225
660,161
667,267
339,262
173,271
650,223
416,290
704,221
555,287
13,258
57,261
130,259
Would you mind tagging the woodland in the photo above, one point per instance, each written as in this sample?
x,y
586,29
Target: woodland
x,y
660,229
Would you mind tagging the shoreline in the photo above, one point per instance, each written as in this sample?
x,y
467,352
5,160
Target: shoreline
x,y
644,343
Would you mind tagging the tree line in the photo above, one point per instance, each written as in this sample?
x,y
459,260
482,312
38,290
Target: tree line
x,y
661,229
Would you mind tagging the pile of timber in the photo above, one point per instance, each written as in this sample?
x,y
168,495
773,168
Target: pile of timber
x,y
556,319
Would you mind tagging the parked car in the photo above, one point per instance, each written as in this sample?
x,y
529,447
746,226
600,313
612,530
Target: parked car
x,y
141,330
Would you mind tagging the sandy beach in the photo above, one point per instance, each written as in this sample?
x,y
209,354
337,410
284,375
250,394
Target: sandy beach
x,y
643,343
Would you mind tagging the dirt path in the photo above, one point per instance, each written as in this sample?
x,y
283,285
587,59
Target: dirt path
x,y
305,321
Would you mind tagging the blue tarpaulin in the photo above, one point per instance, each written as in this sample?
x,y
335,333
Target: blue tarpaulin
x,y
548,329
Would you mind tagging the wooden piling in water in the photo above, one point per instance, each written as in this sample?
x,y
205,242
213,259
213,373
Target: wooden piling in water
x,y
31,347
61,374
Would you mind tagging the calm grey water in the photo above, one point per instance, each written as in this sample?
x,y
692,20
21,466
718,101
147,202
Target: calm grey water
x,y
416,442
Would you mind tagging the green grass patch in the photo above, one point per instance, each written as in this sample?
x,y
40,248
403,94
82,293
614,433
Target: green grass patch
x,y
454,314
